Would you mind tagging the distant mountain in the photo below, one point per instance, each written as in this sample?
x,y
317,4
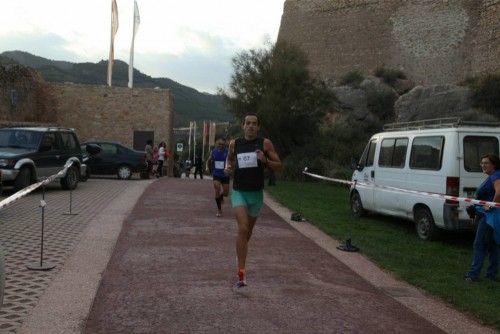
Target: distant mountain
x,y
189,104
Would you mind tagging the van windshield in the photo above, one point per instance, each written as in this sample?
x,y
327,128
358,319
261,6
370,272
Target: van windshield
x,y
474,148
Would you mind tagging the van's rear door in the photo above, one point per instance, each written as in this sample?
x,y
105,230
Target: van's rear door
x,y
473,145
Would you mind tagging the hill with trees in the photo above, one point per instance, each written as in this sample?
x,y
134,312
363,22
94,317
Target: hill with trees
x,y
189,104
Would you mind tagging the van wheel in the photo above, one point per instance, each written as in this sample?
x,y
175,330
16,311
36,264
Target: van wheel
x,y
424,224
356,205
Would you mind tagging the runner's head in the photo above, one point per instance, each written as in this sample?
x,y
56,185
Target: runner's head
x,y
220,143
251,126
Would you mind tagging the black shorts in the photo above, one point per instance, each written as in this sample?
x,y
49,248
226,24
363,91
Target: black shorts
x,y
221,179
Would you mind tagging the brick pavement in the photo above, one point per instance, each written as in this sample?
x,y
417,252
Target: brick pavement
x,y
20,224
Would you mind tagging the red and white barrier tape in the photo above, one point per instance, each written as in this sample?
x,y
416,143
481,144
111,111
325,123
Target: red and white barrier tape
x,y
23,192
424,193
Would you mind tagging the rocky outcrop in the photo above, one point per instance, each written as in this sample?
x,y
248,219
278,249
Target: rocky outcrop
x,y
372,100
433,102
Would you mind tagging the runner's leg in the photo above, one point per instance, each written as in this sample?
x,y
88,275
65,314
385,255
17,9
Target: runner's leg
x,y
246,224
217,187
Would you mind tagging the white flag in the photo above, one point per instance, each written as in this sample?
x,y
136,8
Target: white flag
x,y
114,29
137,20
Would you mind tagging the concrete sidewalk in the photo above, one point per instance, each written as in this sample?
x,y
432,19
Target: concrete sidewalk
x,y
174,266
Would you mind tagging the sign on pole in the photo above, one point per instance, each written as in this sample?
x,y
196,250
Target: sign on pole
x,y
180,147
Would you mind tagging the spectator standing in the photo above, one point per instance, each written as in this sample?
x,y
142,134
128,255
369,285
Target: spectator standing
x,y
187,167
198,166
161,158
149,156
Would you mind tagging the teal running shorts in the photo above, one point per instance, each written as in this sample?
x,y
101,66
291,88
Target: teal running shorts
x,y
252,200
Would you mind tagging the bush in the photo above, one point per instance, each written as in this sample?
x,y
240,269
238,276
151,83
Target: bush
x,y
352,78
389,76
381,103
486,93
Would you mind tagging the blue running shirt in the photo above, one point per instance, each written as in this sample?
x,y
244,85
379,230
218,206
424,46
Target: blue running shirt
x,y
219,162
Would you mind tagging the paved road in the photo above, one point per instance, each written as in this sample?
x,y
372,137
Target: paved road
x,y
173,265
173,269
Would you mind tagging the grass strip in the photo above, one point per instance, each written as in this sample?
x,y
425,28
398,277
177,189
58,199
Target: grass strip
x,y
437,267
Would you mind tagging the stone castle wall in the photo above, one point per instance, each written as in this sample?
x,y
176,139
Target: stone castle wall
x,y
114,113
432,41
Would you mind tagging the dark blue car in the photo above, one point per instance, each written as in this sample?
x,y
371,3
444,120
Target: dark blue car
x,y
115,159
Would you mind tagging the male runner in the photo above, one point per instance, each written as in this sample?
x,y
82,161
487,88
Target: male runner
x,y
248,156
215,165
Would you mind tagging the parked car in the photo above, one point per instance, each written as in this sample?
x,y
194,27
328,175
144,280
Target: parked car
x,y
438,156
115,159
31,154
95,149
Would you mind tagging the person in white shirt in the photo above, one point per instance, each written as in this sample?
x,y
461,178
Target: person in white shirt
x,y
161,158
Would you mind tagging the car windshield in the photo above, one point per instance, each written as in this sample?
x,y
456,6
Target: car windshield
x,y
17,138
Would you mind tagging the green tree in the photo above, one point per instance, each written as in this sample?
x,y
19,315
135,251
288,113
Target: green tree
x,y
486,93
274,83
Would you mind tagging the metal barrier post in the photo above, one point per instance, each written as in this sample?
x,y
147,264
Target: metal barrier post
x,y
297,216
42,266
70,205
347,246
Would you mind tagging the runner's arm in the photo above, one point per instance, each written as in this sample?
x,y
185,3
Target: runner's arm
x,y
209,164
272,158
230,161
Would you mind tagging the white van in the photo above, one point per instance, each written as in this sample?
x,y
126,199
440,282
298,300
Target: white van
x,y
438,156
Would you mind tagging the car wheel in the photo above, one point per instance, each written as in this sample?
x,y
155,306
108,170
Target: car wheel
x,y
124,172
356,205
70,181
23,179
424,224
86,176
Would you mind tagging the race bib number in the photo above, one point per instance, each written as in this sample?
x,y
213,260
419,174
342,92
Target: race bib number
x,y
219,165
247,160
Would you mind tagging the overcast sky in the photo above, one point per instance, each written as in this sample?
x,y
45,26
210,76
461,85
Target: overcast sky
x,y
189,41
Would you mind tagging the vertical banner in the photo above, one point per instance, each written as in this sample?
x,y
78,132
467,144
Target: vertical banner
x,y
114,29
194,139
209,136
205,130
137,21
189,139
213,130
